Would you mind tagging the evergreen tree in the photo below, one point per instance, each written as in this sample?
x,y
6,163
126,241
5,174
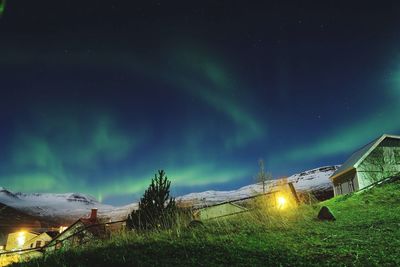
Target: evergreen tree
x,y
156,208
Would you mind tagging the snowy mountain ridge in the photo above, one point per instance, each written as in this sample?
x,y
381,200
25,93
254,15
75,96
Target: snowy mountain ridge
x,y
60,207
71,206
315,180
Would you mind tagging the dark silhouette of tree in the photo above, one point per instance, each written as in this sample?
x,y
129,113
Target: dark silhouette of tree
x,y
262,176
156,208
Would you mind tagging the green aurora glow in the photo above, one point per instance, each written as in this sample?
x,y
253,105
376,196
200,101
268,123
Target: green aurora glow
x,y
2,6
355,134
96,101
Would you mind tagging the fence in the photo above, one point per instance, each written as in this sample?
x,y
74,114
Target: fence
x,y
55,242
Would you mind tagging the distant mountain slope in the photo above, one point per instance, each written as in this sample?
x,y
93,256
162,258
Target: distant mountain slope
x,y
60,208
315,181
68,207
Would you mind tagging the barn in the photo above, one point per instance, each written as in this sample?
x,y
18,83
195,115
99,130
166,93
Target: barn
x,y
375,161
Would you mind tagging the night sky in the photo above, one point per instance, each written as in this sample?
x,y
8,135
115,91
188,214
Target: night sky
x,y
96,96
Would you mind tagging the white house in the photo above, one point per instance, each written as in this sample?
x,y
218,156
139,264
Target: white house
x,y
375,161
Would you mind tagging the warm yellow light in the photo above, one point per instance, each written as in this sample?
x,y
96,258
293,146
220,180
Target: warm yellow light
x,y
21,238
281,202
62,229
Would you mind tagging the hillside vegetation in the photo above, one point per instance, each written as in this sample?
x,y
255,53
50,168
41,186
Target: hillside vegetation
x,y
366,233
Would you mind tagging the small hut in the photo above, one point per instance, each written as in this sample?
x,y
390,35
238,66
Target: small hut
x,y
375,161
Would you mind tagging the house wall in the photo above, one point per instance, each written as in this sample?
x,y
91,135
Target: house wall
x,y
18,239
382,162
219,210
43,238
346,183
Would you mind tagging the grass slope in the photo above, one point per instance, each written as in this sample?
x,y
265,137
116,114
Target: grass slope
x,y
366,233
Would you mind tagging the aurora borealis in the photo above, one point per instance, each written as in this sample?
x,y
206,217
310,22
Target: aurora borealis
x,y
96,96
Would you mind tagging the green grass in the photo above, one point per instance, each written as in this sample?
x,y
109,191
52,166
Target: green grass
x,y
366,233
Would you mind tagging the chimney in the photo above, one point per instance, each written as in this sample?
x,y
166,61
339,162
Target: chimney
x,y
93,215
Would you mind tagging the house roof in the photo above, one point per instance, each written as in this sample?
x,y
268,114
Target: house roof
x,y
52,234
234,200
225,203
358,156
86,222
31,232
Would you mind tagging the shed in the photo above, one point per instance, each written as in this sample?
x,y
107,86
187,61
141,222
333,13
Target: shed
x,y
218,210
375,161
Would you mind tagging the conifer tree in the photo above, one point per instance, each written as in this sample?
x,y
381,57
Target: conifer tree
x,y
156,208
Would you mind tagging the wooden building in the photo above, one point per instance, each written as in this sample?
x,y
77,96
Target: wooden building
x,y
375,161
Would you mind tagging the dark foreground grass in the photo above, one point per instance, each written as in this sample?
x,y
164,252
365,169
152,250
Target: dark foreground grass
x,y
366,233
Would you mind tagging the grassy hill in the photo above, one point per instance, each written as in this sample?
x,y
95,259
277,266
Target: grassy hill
x,y
366,233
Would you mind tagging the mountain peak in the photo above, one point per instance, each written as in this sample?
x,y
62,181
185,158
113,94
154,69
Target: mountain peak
x,y
6,193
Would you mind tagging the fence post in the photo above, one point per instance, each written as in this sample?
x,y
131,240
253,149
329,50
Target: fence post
x,y
294,193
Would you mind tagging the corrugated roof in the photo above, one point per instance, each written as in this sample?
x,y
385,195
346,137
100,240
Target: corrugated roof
x,y
359,155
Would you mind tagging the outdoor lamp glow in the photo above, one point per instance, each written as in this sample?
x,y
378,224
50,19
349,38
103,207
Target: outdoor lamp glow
x,y
21,239
281,202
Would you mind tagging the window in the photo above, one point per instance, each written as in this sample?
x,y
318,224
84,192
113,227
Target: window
x,y
31,245
38,243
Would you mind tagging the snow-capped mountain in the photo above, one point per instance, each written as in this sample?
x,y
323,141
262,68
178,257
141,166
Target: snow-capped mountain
x,y
60,207
71,206
315,181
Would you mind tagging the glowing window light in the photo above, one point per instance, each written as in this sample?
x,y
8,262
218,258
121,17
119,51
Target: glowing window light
x,y
281,202
62,229
21,239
